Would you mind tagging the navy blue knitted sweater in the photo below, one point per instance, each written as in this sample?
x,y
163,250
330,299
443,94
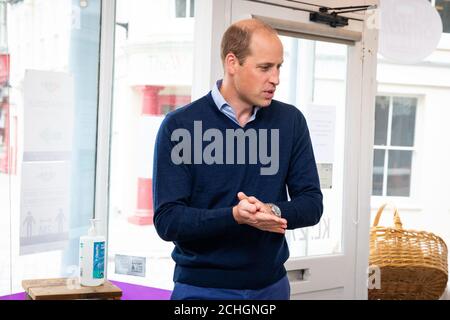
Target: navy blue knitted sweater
x,y
193,199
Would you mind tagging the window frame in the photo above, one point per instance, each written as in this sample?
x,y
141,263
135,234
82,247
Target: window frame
x,y
413,200
104,122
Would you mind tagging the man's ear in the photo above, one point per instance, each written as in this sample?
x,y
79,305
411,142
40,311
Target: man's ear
x,y
230,64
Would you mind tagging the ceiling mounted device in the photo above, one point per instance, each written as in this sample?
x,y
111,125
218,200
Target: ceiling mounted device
x,y
331,16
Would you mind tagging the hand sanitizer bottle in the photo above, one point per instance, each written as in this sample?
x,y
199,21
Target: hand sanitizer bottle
x,y
92,258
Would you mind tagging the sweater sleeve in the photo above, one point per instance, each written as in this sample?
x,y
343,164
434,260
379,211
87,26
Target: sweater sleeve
x,y
305,207
174,219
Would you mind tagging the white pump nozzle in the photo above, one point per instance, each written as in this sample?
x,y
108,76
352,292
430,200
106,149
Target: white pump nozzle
x,y
92,231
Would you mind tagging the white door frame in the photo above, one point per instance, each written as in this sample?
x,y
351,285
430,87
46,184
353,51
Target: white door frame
x,y
328,271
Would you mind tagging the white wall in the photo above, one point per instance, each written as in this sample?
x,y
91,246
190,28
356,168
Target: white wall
x,y
428,208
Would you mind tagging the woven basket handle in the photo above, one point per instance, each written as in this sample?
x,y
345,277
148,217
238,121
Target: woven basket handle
x,y
397,221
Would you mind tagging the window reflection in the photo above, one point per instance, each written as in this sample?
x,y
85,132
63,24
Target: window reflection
x,y
403,121
399,173
378,172
381,120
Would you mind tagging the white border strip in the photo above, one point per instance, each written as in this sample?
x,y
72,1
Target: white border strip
x,y
105,90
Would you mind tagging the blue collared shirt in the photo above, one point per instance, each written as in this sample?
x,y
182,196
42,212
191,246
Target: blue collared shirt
x,y
225,107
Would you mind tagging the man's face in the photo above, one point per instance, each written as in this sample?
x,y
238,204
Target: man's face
x,y
256,79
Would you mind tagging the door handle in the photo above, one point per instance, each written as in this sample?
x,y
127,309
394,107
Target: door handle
x,y
299,275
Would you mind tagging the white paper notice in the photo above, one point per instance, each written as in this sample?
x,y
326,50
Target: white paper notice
x,y
325,171
48,115
321,123
44,221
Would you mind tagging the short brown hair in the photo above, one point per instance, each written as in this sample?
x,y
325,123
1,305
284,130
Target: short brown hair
x,y
236,38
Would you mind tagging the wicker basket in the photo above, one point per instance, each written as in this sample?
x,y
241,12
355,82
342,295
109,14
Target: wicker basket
x,y
412,264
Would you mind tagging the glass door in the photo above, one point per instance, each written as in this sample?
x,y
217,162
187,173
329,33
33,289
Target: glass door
x,y
323,76
314,78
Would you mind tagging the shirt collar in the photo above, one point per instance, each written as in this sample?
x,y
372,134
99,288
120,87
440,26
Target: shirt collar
x,y
220,101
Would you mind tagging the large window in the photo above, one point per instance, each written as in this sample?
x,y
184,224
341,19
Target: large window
x,y
395,122
48,129
153,76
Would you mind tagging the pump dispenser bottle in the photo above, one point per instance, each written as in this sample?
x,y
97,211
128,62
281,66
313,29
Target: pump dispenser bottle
x,y
92,257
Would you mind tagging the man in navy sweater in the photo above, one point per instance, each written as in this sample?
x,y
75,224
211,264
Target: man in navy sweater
x,y
222,168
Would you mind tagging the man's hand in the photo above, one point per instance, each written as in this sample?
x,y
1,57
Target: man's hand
x,y
257,214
